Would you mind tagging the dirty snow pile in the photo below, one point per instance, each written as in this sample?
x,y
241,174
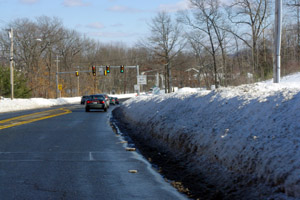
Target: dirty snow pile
x,y
251,130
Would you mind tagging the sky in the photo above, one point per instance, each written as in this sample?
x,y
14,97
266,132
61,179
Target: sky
x,y
107,21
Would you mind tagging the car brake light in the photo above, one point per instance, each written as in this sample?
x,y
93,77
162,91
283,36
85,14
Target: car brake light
x,y
102,102
88,101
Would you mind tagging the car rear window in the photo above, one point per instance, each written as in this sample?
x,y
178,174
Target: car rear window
x,y
97,97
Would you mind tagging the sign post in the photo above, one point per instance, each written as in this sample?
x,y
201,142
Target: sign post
x,y
136,87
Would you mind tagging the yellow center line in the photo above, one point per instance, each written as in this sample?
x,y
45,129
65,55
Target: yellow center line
x,y
23,116
25,119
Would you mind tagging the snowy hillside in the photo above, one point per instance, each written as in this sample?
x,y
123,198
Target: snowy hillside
x,y
250,132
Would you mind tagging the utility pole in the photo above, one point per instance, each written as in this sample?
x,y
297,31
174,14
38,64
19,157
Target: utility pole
x,y
277,42
11,62
138,74
57,90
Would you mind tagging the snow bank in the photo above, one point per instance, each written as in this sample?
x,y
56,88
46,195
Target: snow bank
x,y
8,105
251,129
123,96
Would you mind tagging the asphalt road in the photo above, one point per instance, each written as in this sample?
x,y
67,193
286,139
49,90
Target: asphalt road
x,y
72,154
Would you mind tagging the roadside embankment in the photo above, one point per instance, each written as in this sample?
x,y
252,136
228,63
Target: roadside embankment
x,y
242,138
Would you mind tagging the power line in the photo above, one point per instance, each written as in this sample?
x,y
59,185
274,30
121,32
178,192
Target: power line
x,y
3,21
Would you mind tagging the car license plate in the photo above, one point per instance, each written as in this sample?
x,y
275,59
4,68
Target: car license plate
x,y
94,102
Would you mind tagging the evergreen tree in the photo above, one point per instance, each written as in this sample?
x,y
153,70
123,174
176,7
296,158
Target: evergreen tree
x,y
20,90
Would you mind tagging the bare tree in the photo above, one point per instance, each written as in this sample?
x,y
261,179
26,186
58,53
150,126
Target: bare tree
x,y
295,8
34,44
51,33
251,14
207,20
166,42
203,63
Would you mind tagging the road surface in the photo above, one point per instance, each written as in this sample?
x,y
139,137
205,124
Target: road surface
x,y
67,153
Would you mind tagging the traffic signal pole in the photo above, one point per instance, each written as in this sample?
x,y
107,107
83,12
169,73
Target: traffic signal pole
x,y
94,69
130,67
78,88
78,83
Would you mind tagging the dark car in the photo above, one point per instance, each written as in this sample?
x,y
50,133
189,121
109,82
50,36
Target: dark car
x,y
96,102
107,99
83,99
112,100
116,100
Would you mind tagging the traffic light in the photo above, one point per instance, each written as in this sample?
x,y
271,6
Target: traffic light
x,y
122,68
94,70
107,69
77,73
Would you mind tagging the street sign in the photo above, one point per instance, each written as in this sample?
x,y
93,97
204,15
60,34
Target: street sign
x,y
142,80
60,87
101,71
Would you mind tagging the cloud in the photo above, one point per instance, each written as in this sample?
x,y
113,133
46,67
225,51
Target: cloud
x,y
75,3
117,25
29,1
96,25
124,9
181,5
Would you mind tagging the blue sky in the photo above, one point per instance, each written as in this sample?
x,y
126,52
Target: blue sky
x,y
104,20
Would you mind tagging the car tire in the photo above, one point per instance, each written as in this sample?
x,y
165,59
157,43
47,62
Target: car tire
x,y
87,110
105,109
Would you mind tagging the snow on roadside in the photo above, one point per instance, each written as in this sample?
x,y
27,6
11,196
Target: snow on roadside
x,y
123,96
8,105
251,129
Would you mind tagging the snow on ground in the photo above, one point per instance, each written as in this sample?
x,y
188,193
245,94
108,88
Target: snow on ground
x,y
253,130
8,105
123,96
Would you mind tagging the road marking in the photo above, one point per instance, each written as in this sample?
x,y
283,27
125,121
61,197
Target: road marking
x,y
91,156
64,157
25,119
